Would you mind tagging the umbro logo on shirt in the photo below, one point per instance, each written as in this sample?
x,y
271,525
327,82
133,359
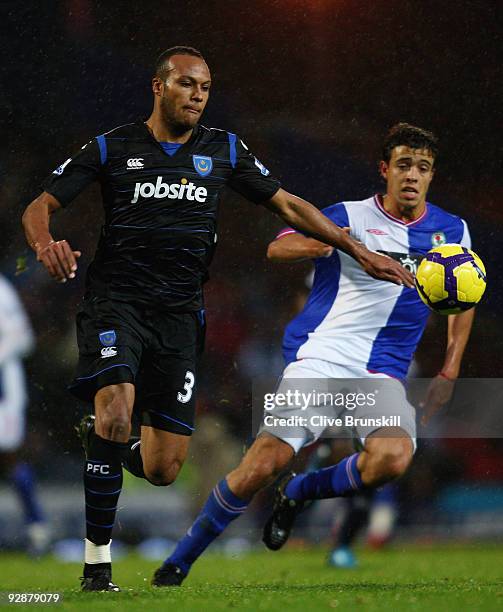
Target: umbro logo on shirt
x,y
134,163
377,232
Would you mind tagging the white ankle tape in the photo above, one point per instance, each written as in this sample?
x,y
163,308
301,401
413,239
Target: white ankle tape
x,y
97,553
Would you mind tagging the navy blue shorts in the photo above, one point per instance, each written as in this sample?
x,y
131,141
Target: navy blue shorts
x,y
155,350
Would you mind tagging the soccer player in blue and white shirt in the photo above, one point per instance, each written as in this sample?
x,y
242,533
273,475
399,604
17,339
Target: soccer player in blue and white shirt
x,y
352,327
16,340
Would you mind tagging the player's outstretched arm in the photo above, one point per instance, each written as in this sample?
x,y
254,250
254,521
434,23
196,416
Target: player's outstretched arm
x,y
305,217
442,386
459,327
295,247
57,256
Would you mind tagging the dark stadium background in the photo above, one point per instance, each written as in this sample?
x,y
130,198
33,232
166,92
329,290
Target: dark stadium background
x,y
312,86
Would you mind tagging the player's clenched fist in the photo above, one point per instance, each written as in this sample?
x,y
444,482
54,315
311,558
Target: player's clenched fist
x,y
59,259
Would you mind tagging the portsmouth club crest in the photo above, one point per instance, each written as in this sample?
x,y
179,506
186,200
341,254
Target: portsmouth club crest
x,y
437,239
108,338
202,164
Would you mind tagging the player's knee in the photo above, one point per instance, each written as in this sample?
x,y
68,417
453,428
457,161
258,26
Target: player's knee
x,y
113,420
115,425
113,405
159,478
163,476
395,464
391,463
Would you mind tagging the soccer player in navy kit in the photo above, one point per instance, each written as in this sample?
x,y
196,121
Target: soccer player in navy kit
x,y
142,322
352,327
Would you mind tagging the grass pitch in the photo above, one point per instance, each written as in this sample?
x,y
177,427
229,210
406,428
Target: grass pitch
x,y
414,578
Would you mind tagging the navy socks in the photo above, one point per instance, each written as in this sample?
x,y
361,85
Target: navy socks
x,y
102,484
133,461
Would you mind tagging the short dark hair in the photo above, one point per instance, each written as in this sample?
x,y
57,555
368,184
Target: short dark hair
x,y
162,60
404,134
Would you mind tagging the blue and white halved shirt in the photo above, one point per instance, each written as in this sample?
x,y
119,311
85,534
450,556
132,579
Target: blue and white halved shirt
x,y
353,319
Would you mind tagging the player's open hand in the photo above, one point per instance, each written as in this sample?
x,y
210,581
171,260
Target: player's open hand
x,y
438,394
59,259
385,268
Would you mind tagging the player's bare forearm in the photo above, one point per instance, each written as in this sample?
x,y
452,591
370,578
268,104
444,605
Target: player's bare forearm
x,y
442,386
458,332
36,220
303,216
295,247
57,257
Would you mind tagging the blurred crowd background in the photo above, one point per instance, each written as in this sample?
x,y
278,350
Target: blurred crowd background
x,y
312,86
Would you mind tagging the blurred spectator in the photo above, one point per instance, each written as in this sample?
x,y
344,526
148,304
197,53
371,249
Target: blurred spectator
x,y
15,341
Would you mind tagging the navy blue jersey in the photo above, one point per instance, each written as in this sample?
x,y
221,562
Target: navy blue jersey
x,y
160,210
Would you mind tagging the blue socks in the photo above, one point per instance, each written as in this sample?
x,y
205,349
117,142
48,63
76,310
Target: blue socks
x,y
23,482
221,508
335,481
386,494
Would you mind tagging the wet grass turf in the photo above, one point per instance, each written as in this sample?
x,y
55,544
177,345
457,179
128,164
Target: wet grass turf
x,y
413,578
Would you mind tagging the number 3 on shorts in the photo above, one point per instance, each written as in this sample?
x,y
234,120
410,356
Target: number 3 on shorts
x,y
187,387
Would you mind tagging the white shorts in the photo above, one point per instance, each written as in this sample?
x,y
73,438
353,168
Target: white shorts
x,y
12,406
303,423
